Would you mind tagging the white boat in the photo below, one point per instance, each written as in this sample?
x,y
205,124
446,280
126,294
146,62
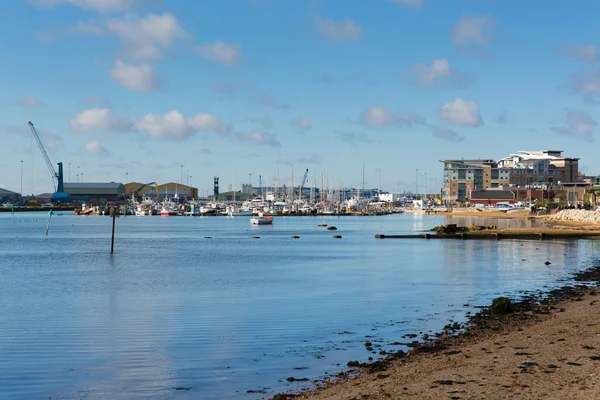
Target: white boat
x,y
233,211
261,220
167,212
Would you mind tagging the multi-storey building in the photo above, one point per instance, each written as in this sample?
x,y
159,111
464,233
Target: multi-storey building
x,y
522,169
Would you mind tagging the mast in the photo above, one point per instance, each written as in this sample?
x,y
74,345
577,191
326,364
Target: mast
x,y
363,181
234,183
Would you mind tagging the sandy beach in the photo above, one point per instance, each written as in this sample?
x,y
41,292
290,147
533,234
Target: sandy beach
x,y
548,348
546,352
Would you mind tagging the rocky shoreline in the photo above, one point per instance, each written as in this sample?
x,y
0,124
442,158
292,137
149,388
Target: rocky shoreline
x,y
493,355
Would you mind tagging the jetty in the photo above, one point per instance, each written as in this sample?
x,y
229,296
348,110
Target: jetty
x,y
560,234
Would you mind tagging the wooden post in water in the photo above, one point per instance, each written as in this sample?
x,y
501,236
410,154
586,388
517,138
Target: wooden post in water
x,y
112,240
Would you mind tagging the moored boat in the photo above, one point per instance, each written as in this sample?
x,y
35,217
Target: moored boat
x,y
261,220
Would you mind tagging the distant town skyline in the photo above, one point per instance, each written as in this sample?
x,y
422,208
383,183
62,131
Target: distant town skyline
x,y
164,90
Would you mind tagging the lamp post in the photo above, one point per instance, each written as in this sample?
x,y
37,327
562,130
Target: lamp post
x,y
69,171
81,177
78,173
182,174
126,177
21,178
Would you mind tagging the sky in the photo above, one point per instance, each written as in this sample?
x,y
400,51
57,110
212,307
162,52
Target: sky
x,y
182,91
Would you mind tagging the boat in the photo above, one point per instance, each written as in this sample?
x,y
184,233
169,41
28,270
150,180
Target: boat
x,y
233,211
261,220
167,212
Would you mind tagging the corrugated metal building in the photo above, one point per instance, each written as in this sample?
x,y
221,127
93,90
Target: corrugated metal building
x,y
98,192
9,196
164,190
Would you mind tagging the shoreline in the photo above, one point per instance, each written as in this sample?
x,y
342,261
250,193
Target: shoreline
x,y
549,347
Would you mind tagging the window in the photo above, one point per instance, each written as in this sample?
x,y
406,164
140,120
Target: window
x,y
462,174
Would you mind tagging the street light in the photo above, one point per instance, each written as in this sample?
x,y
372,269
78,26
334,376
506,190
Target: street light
x,y
182,174
21,178
126,177
78,173
81,177
69,171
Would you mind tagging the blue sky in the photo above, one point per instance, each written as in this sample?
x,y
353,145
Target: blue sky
x,y
147,90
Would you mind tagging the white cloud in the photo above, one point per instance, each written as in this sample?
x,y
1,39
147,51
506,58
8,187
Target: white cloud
x,y
97,5
261,138
377,116
440,72
174,126
472,33
208,123
460,112
409,3
579,124
338,31
303,123
99,119
29,101
585,53
85,28
146,38
81,28
446,134
94,147
586,83
142,77
227,54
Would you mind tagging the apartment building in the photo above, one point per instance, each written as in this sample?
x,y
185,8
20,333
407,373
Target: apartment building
x,y
521,169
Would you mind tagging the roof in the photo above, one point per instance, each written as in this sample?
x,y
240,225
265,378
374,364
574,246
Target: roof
x,y
492,195
92,185
7,192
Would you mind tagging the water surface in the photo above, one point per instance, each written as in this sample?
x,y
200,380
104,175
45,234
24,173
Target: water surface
x,y
173,309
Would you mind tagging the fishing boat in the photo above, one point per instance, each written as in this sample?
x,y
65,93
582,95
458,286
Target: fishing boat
x,y
167,212
261,220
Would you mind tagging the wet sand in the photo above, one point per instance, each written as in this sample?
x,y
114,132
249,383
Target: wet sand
x,y
549,348
543,351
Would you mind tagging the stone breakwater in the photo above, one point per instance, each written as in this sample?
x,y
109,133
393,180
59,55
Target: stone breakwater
x,y
576,215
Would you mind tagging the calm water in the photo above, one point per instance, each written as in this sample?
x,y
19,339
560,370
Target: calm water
x,y
173,309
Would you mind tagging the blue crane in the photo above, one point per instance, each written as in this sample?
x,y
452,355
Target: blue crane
x,y
59,195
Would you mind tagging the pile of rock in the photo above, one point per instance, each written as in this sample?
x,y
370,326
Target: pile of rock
x,y
576,215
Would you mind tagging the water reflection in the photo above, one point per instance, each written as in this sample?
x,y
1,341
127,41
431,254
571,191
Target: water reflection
x,y
172,310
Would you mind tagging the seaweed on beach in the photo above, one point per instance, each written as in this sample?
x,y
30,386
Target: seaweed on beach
x,y
520,313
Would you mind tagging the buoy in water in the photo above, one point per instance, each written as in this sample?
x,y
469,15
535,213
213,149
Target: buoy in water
x,y
322,225
255,237
337,237
295,237
331,228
